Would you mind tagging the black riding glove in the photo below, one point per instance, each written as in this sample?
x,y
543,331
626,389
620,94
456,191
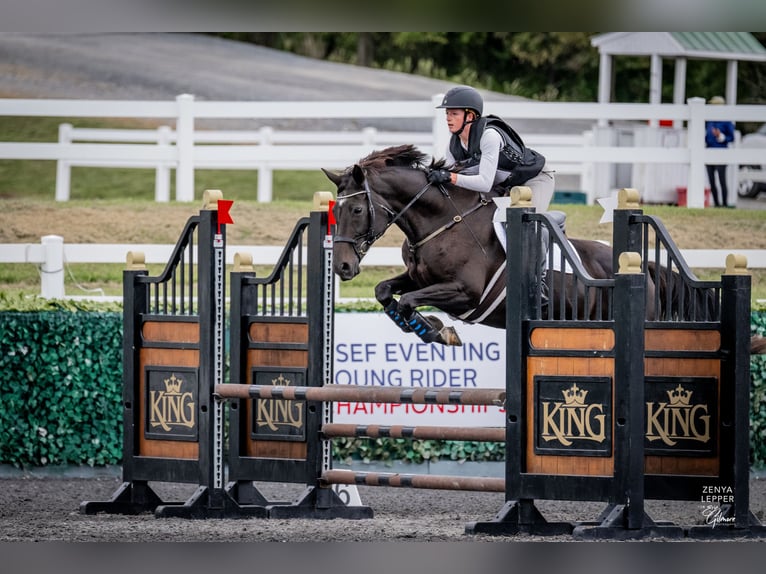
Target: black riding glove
x,y
439,176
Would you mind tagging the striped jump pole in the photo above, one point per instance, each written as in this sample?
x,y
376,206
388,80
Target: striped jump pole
x,y
354,393
429,481
338,430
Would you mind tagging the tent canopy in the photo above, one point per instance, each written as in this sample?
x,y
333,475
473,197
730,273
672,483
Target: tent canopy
x,y
681,46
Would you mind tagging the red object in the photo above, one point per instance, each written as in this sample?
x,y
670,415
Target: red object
x,y
666,123
224,205
331,213
681,191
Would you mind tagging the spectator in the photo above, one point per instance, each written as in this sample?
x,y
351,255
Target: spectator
x,y
718,134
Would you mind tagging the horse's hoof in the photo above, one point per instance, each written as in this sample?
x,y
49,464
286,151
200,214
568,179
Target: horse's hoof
x,y
450,337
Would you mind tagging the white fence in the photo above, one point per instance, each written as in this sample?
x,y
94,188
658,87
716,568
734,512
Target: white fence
x,y
52,256
594,156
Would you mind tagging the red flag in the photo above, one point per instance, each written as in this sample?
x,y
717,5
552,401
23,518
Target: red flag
x,y
331,213
224,205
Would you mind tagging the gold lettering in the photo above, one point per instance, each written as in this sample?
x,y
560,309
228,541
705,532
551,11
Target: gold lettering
x,y
273,413
671,423
599,436
566,423
171,409
702,437
157,417
549,424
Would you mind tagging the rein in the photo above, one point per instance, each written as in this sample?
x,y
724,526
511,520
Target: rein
x,y
370,237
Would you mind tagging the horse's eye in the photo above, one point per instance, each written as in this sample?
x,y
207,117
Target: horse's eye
x,y
357,210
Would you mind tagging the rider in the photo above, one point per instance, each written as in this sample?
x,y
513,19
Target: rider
x,y
489,152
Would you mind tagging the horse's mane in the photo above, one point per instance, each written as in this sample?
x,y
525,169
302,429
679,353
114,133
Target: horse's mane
x,y
396,156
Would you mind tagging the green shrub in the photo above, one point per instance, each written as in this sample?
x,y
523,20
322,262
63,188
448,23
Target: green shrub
x,y
61,387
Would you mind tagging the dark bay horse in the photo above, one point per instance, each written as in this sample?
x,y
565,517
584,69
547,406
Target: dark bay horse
x,y
451,252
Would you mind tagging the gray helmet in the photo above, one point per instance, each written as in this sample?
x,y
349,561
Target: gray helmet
x,y
463,97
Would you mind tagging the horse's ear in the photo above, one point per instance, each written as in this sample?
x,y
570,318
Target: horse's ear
x,y
358,175
332,176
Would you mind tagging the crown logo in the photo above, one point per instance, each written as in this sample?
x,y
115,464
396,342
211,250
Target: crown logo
x,y
173,385
679,396
574,396
281,381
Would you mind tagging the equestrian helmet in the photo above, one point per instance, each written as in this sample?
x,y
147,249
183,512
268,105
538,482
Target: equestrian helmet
x,y
464,97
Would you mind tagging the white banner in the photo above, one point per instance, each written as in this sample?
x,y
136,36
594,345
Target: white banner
x,y
370,350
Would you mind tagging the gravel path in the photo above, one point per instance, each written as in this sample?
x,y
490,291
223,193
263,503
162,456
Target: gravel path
x,y
47,509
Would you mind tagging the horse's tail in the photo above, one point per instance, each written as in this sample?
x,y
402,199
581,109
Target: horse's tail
x,y
679,301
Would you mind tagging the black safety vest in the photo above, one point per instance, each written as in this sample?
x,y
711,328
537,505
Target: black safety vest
x,y
522,162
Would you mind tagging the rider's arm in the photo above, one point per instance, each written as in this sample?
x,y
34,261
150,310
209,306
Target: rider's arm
x,y
490,144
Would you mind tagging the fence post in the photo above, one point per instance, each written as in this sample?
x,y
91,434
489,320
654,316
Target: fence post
x,y
369,135
440,131
265,175
63,169
162,172
695,191
52,268
185,148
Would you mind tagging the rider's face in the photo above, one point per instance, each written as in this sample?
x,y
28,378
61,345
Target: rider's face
x,y
455,117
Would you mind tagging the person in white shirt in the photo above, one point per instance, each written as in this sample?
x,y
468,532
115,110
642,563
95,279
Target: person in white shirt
x,y
487,151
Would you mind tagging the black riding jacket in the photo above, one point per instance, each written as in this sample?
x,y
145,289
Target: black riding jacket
x,y
522,162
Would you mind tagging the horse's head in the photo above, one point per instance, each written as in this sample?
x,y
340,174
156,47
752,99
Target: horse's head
x,y
360,220
372,195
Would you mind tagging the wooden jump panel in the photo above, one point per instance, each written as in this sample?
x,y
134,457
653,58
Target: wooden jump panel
x,y
335,430
274,333
157,447
354,393
572,339
559,464
429,481
170,332
682,340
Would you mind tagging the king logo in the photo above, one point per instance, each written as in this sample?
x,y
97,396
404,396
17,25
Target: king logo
x,y
171,407
573,419
276,413
677,419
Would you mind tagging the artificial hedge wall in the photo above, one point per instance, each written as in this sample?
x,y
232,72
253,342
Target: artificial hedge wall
x,y
61,383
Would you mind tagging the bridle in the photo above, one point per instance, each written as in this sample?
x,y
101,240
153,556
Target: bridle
x,y
364,241
370,236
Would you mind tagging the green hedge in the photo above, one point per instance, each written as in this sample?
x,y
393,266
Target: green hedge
x,y
62,388
61,383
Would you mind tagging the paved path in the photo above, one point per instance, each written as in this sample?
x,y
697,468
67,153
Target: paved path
x,y
161,66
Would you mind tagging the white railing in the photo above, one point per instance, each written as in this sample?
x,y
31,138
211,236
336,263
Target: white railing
x,y
593,159
52,256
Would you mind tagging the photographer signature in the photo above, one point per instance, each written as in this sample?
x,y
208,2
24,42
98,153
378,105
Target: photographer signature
x,y
715,515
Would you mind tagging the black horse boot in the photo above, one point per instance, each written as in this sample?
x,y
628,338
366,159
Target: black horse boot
x,y
392,310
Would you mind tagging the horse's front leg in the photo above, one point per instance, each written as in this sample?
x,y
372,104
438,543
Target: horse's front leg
x,y
442,296
384,293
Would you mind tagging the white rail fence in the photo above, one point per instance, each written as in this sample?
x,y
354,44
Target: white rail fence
x,y
52,256
593,154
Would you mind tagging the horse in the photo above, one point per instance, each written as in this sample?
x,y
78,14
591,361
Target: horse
x,y
451,251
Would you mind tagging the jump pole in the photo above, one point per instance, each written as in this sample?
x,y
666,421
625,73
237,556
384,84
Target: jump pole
x,y
427,481
482,434
354,393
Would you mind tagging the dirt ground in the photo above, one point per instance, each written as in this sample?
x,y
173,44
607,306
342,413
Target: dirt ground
x,y
47,510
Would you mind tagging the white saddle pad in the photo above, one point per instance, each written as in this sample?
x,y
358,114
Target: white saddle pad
x,y
498,222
